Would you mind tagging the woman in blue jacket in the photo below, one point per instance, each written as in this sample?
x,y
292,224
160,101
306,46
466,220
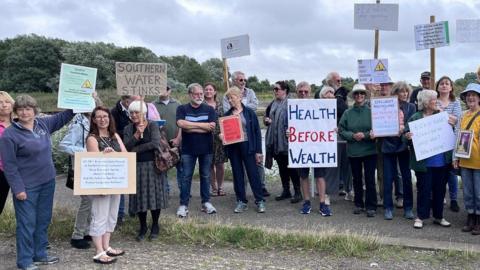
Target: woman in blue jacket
x,y
247,153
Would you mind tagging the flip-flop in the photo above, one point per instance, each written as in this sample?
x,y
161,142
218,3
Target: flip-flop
x,y
98,258
114,252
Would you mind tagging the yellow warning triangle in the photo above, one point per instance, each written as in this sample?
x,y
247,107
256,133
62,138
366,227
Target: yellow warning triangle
x,y
380,66
87,84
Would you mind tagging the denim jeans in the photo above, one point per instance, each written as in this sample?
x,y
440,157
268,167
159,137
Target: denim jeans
x,y
471,190
239,157
431,188
188,166
179,169
33,216
366,164
390,175
452,185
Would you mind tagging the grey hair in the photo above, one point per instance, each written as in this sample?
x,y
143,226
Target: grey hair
x,y
424,97
329,79
192,86
401,85
304,84
24,101
324,90
236,74
138,106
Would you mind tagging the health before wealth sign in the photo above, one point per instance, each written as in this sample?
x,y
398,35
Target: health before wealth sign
x,y
312,140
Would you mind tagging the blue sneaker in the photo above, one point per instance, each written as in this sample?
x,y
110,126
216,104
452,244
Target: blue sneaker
x,y
388,214
306,208
325,210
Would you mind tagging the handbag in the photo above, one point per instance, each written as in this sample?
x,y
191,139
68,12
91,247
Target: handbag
x,y
166,157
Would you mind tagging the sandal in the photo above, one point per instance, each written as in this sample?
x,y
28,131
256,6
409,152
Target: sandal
x,y
214,192
221,192
103,258
114,252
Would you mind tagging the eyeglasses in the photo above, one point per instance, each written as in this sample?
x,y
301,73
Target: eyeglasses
x,y
339,81
101,117
276,89
303,92
197,94
242,80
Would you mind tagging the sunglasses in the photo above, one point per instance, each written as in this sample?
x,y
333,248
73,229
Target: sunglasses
x,y
359,93
242,80
303,92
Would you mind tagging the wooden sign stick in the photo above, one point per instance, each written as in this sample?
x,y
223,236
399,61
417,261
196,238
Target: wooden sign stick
x,y
432,61
377,38
142,119
225,74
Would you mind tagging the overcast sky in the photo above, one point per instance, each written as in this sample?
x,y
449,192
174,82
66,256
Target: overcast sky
x,y
301,40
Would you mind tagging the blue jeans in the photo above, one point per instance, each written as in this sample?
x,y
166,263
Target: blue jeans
x,y
390,175
33,216
366,164
179,176
471,190
431,188
452,185
239,157
188,166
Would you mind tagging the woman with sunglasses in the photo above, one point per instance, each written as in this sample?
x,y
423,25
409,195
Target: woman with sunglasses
x,y
277,143
355,127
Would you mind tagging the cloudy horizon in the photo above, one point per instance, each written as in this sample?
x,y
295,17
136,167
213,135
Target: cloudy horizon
x,y
302,40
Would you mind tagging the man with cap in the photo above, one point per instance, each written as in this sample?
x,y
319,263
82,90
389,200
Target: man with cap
x,y
425,82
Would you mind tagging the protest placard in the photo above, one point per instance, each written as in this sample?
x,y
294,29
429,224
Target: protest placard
x,y
312,140
432,135
376,17
235,46
77,84
431,35
385,121
373,71
463,146
97,173
231,128
141,79
468,31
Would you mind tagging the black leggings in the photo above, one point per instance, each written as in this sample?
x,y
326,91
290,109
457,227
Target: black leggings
x,y
287,174
4,188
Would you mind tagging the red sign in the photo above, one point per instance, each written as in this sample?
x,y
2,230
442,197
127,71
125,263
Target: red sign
x,y
231,128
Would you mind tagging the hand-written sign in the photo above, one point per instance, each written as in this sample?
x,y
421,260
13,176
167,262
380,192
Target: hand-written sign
x,y
376,16
99,173
231,128
385,120
432,135
77,84
468,31
373,71
141,79
431,35
312,140
235,46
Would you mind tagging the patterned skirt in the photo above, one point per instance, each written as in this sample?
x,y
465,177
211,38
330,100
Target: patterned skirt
x,y
219,155
151,189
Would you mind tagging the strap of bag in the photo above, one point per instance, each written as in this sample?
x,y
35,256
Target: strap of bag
x,y
471,120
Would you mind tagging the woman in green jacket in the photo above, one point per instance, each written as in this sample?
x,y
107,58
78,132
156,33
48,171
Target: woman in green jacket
x,y
431,172
355,127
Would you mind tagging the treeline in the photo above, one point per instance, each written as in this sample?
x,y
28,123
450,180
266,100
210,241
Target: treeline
x,y
31,63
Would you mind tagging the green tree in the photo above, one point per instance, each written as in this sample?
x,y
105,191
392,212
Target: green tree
x,y
214,69
185,69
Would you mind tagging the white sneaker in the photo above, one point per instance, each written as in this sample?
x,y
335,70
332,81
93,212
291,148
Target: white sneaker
x,y
418,224
182,211
208,208
350,196
327,199
442,222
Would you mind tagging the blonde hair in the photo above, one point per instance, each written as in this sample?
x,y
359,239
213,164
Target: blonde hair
x,y
7,96
233,91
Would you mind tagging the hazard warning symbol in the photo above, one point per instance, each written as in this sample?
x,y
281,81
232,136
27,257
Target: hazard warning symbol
x,y
373,71
87,84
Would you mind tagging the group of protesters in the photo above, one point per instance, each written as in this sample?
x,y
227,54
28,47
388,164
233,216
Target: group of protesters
x,y
367,165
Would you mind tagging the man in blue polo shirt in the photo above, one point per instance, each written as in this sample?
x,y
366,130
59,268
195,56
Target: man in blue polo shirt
x,y
197,121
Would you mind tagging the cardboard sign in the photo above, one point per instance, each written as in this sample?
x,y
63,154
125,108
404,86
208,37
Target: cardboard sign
x,y
463,147
235,46
312,140
141,79
431,35
373,71
231,128
97,173
432,135
468,31
77,84
385,120
376,17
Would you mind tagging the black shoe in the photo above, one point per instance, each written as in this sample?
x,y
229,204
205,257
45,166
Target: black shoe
x,y
454,206
265,192
371,213
358,210
154,232
120,221
141,234
79,243
296,198
283,196
46,261
87,238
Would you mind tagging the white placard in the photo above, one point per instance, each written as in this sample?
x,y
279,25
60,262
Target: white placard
x,y
431,35
376,16
373,71
235,46
468,31
432,135
104,173
385,121
312,140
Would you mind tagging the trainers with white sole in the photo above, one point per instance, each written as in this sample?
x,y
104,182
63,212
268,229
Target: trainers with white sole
x,y
182,211
208,208
418,224
241,207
